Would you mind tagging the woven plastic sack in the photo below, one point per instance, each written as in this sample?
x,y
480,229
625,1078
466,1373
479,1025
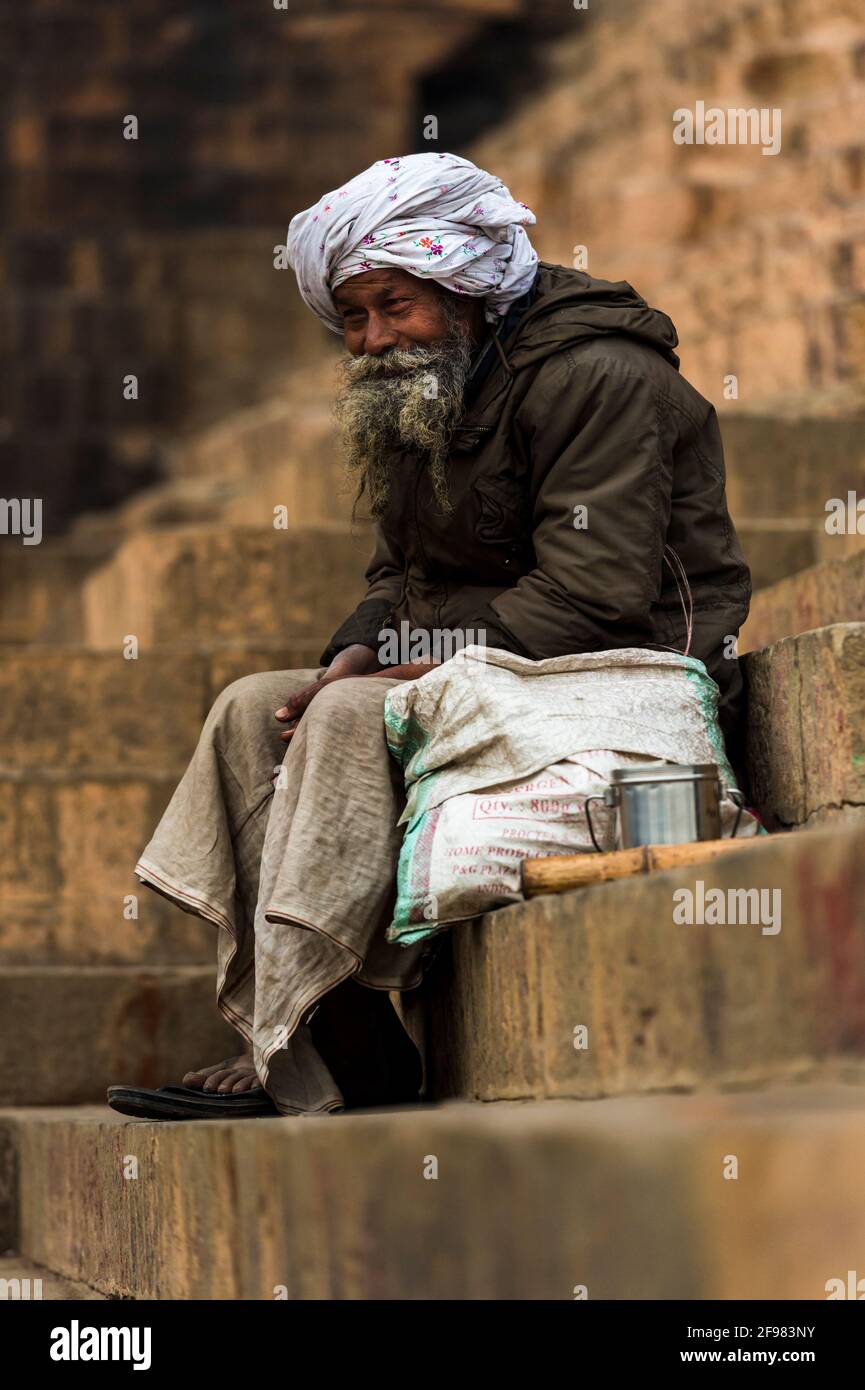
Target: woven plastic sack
x,y
499,754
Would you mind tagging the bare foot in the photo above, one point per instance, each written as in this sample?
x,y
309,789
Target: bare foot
x,y
235,1074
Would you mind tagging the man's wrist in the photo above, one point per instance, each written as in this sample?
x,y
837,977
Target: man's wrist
x,y
356,659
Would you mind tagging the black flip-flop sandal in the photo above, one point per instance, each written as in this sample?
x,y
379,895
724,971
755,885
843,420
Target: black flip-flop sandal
x,y
183,1103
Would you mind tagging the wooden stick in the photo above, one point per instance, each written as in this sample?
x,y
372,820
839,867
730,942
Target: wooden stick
x,y
559,873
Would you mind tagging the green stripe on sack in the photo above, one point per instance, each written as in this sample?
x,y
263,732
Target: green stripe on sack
x,y
406,739
412,874
708,695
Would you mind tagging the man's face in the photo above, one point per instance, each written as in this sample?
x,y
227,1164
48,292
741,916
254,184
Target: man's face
x,y
383,309
403,381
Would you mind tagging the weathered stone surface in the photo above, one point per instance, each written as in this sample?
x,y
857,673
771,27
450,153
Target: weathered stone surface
x,y
759,260
69,1032
194,585
666,1006
63,710
232,663
756,272
775,547
127,285
626,1198
833,592
67,888
848,546
68,713
282,451
806,725
40,588
792,467
94,747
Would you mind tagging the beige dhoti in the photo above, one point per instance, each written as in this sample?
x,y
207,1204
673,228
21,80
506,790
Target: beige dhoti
x,y
292,854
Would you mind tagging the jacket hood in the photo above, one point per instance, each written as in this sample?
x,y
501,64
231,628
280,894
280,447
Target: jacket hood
x,y
570,306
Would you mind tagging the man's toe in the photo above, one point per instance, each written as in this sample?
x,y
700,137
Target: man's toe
x,y
246,1083
196,1079
215,1082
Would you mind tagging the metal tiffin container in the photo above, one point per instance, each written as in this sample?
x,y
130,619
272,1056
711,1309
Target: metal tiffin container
x,y
659,803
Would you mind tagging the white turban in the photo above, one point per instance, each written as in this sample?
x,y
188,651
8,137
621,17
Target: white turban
x,y
433,215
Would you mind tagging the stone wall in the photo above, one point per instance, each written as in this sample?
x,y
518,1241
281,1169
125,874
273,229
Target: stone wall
x,y
154,256
759,259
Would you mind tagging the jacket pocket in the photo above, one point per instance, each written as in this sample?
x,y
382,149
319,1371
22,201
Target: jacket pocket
x,y
503,515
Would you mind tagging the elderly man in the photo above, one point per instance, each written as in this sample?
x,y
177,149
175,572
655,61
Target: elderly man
x,y
539,473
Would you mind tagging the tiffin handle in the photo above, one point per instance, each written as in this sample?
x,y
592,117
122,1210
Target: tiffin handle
x,y
597,796
738,800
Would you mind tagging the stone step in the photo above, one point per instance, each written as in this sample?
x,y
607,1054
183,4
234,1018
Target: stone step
x,y
68,894
93,747
832,592
70,1031
41,587
203,585
791,467
781,548
71,712
664,1006
65,711
21,1280
264,455
806,726
775,547
497,1014
752,1196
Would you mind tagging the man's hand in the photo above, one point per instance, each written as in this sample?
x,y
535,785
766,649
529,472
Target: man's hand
x,y
356,660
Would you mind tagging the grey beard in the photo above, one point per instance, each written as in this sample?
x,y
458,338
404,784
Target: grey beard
x,y
408,398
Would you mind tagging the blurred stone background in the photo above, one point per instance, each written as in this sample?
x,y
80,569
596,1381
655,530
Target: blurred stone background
x,y
155,256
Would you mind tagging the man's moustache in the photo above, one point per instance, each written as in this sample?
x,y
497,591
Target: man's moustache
x,y
406,362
